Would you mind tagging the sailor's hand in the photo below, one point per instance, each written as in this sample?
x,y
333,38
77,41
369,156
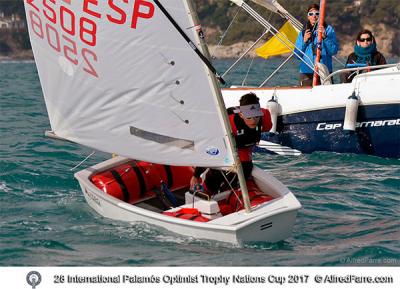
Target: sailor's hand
x,y
307,35
194,181
321,29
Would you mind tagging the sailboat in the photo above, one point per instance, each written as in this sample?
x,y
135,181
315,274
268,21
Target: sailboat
x,y
134,79
361,117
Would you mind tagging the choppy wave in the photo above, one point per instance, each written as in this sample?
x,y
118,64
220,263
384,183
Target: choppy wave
x,y
350,214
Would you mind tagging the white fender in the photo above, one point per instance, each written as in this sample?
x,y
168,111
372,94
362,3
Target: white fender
x,y
350,117
274,107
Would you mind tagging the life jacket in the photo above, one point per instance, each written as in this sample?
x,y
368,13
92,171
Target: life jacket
x,y
246,138
232,204
134,181
191,214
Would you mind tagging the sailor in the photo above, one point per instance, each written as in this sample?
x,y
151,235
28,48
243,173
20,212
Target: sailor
x,y
307,42
248,121
365,54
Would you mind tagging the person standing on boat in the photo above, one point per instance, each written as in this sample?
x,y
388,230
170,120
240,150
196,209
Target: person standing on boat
x,y
248,121
306,45
365,54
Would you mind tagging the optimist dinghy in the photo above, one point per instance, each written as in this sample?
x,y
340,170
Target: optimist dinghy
x,y
134,79
221,217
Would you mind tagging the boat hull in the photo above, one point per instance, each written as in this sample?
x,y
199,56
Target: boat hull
x,y
312,119
377,132
270,222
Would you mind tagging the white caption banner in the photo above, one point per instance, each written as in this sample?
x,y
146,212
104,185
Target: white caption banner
x,y
198,277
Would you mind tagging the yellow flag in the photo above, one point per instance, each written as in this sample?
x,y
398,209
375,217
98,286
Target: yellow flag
x,y
274,46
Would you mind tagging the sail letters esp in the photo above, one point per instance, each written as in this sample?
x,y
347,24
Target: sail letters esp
x,y
117,14
138,14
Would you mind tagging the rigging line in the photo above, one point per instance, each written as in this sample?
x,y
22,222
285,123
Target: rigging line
x,y
276,70
191,44
230,185
280,36
244,53
265,23
227,29
248,70
296,23
338,60
78,165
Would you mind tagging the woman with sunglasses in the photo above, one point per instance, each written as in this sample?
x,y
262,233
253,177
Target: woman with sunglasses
x,y
307,41
365,54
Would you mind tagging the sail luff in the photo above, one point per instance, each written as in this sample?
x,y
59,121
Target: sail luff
x,y
224,116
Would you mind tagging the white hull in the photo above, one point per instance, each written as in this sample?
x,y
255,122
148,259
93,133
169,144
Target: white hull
x,y
312,119
269,222
377,87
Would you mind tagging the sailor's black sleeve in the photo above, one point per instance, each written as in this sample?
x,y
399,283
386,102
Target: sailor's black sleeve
x,y
198,171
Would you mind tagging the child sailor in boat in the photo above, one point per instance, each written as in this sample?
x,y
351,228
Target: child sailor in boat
x,y
248,121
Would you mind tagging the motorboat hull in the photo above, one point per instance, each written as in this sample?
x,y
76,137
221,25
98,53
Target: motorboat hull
x,y
270,222
377,132
312,119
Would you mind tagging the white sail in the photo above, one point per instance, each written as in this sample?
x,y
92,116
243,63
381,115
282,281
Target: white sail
x,y
118,77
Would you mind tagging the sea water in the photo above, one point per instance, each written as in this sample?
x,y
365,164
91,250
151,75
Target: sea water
x,y
350,214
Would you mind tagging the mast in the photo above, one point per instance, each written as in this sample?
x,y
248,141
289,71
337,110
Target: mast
x,y
319,44
238,165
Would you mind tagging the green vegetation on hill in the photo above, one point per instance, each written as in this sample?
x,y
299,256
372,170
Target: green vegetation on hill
x,y
12,41
9,7
347,17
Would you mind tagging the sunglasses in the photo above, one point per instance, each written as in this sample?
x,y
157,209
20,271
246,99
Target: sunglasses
x,y
369,39
313,13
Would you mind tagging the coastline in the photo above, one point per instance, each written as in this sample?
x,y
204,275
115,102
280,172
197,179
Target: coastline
x,y
217,52
22,55
236,50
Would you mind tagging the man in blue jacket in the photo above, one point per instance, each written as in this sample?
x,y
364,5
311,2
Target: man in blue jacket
x,y
307,43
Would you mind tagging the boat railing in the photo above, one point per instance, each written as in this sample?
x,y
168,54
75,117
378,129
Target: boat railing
x,y
357,69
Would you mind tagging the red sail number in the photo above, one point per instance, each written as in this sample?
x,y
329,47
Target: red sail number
x,y
65,44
